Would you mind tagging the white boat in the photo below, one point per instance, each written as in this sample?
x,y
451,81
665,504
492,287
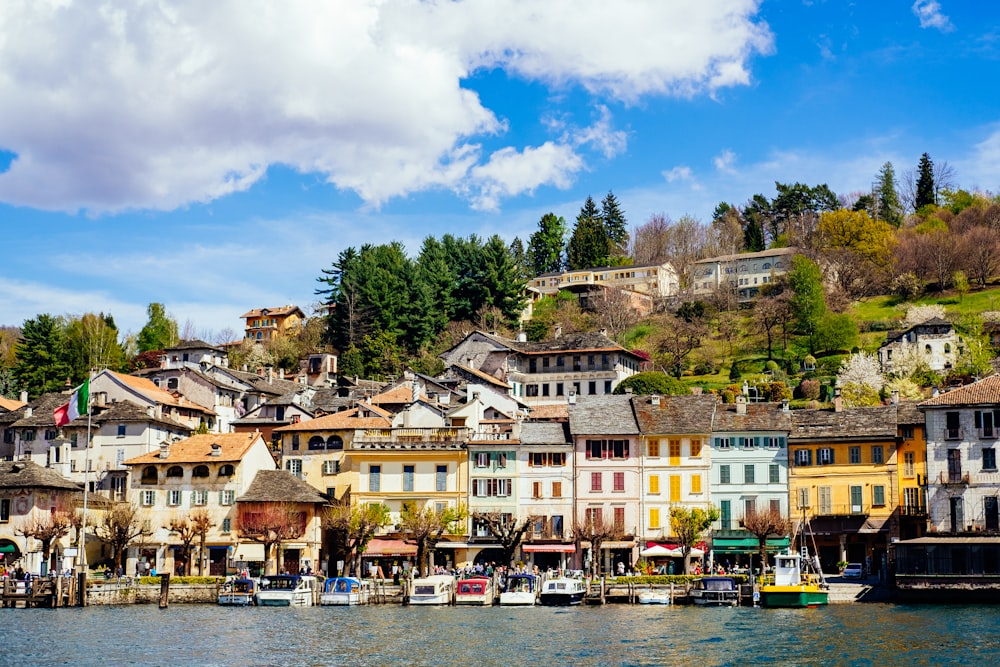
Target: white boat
x,y
654,596
345,591
474,591
715,592
237,592
286,590
562,591
520,591
436,589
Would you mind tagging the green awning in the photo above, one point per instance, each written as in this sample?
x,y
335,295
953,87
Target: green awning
x,y
8,548
747,545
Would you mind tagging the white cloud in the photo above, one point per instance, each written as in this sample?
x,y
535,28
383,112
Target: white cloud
x,y
678,173
511,172
157,105
980,169
930,15
724,161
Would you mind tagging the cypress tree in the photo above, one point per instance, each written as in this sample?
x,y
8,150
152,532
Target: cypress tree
x,y
925,183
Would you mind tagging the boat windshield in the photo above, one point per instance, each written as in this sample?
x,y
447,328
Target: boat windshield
x,y
719,585
519,585
471,587
279,583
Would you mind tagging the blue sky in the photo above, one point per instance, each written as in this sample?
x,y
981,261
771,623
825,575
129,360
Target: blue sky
x,y
215,157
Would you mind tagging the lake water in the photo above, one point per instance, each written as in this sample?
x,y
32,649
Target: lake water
x,y
859,634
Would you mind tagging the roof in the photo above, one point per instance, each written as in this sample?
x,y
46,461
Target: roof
x,y
280,486
603,415
758,417
146,387
571,342
675,414
557,412
983,392
198,449
629,267
545,433
908,413
127,411
482,376
10,404
347,419
194,344
41,411
279,310
275,386
773,252
402,393
853,424
27,474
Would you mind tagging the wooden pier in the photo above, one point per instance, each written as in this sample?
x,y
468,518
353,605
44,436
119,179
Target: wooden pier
x,y
51,592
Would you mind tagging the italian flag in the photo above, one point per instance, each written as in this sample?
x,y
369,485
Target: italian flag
x,y
79,404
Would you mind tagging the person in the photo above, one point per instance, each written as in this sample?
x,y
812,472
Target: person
x,y
152,571
621,568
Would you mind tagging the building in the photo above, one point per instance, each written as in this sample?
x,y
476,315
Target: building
x,y
744,273
108,387
911,466
545,464
657,280
933,343
264,324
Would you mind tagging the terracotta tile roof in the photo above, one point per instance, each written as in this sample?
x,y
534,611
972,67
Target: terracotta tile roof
x,y
198,449
850,424
603,415
10,404
280,486
983,392
280,310
558,412
402,393
146,387
29,475
759,417
675,414
338,421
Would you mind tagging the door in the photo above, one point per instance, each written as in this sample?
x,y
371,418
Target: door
x,y
957,515
856,507
992,512
954,465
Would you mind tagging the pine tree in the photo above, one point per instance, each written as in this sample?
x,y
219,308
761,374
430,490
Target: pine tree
x,y
925,183
615,225
589,245
545,246
502,281
888,207
40,365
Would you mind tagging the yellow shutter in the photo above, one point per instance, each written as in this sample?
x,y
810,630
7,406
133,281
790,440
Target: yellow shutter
x,y
654,483
675,452
675,488
695,483
654,517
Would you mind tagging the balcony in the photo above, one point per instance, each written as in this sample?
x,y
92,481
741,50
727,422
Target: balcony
x,y
913,510
953,479
842,509
953,433
987,433
408,438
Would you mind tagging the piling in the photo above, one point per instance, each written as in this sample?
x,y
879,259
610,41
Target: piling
x,y
164,590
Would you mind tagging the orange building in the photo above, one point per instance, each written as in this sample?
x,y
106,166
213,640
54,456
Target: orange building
x,y
263,324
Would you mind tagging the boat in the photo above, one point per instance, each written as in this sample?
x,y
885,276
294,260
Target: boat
x,y
436,589
562,591
237,592
654,596
715,592
520,590
345,591
286,590
474,591
791,587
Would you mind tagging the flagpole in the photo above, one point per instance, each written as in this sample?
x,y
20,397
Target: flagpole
x,y
82,561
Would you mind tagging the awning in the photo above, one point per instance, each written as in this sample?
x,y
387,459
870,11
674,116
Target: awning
x,y
549,548
465,545
249,552
379,547
875,526
747,545
618,545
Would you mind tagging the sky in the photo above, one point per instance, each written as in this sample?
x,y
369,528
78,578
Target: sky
x,y
215,157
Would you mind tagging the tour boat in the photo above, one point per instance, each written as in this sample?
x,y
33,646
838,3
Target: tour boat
x,y
237,592
562,591
520,590
791,588
436,589
474,591
286,590
715,592
345,591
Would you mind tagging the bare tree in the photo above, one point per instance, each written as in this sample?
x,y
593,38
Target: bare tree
x,y
46,528
597,530
354,527
426,526
614,311
980,248
194,526
763,525
270,523
769,313
651,241
678,339
506,529
120,526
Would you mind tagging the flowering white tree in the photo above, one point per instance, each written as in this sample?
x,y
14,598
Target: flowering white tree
x,y
860,380
920,314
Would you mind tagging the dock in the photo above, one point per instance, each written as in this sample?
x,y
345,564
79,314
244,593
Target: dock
x,y
51,592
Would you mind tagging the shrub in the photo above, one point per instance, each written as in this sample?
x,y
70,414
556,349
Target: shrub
x,y
809,389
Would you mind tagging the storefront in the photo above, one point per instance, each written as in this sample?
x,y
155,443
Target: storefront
x,y
549,556
742,551
382,554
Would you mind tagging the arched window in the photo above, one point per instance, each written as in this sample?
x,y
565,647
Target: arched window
x,y
947,348
149,475
200,471
317,442
334,442
175,471
227,470
927,349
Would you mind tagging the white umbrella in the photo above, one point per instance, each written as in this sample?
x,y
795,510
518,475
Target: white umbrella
x,y
656,550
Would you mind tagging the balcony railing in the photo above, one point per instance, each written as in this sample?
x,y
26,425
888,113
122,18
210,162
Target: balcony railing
x,y
953,433
410,435
953,478
913,510
842,509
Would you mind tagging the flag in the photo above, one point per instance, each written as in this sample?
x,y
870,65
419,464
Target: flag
x,y
79,404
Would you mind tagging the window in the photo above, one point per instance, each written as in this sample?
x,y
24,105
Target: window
x,y
774,506
854,454
695,483
315,442
491,488
619,481
654,484
696,449
878,495
294,466
227,470
619,518
175,471
227,497
531,390
878,454
148,498
653,449
557,489
804,498
557,526
227,525
408,478
989,458
536,490
592,387
773,474
199,497
560,391
856,506
4,510
28,435
174,497
675,452
557,459
675,488
595,481
726,514
749,506
654,517
545,389
149,475
482,459
774,442
607,449
121,430
374,478
200,471
723,443
825,500
441,478
824,456
331,467
748,474
607,386
724,475
908,460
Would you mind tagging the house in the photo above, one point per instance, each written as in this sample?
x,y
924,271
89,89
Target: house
x,y
545,478
194,354
606,441
493,486
934,343
277,497
841,479
674,458
29,432
911,467
203,473
33,495
655,280
108,387
744,273
292,407
264,324
749,457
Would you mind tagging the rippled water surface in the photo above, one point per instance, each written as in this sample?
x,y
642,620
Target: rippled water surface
x,y
862,634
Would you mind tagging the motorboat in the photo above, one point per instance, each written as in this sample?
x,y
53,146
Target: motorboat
x,y
436,589
715,592
345,591
286,590
521,590
474,591
654,596
237,592
562,591
791,587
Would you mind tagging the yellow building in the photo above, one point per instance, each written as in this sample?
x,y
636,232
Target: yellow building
x,y
263,324
843,480
912,468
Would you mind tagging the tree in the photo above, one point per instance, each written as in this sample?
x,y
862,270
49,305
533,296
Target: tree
x,y
763,525
614,311
808,301
651,241
981,250
40,354
47,528
545,246
769,314
836,331
194,526
355,526
160,331
597,530
888,206
652,382
506,530
426,526
502,283
688,524
120,526
860,249
92,344
270,523
925,192
589,245
615,225
678,339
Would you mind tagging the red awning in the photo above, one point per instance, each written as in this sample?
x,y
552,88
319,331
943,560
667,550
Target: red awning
x,y
549,548
379,547
673,546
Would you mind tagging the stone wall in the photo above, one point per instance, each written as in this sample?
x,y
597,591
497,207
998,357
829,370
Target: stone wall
x,y
114,593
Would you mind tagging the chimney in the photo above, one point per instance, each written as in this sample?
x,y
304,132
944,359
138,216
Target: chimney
x,y
24,396
414,390
150,410
281,373
604,332
28,411
522,337
934,392
895,397
164,449
784,405
269,374
741,404
558,330
515,430
655,400
838,401
572,397
216,449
